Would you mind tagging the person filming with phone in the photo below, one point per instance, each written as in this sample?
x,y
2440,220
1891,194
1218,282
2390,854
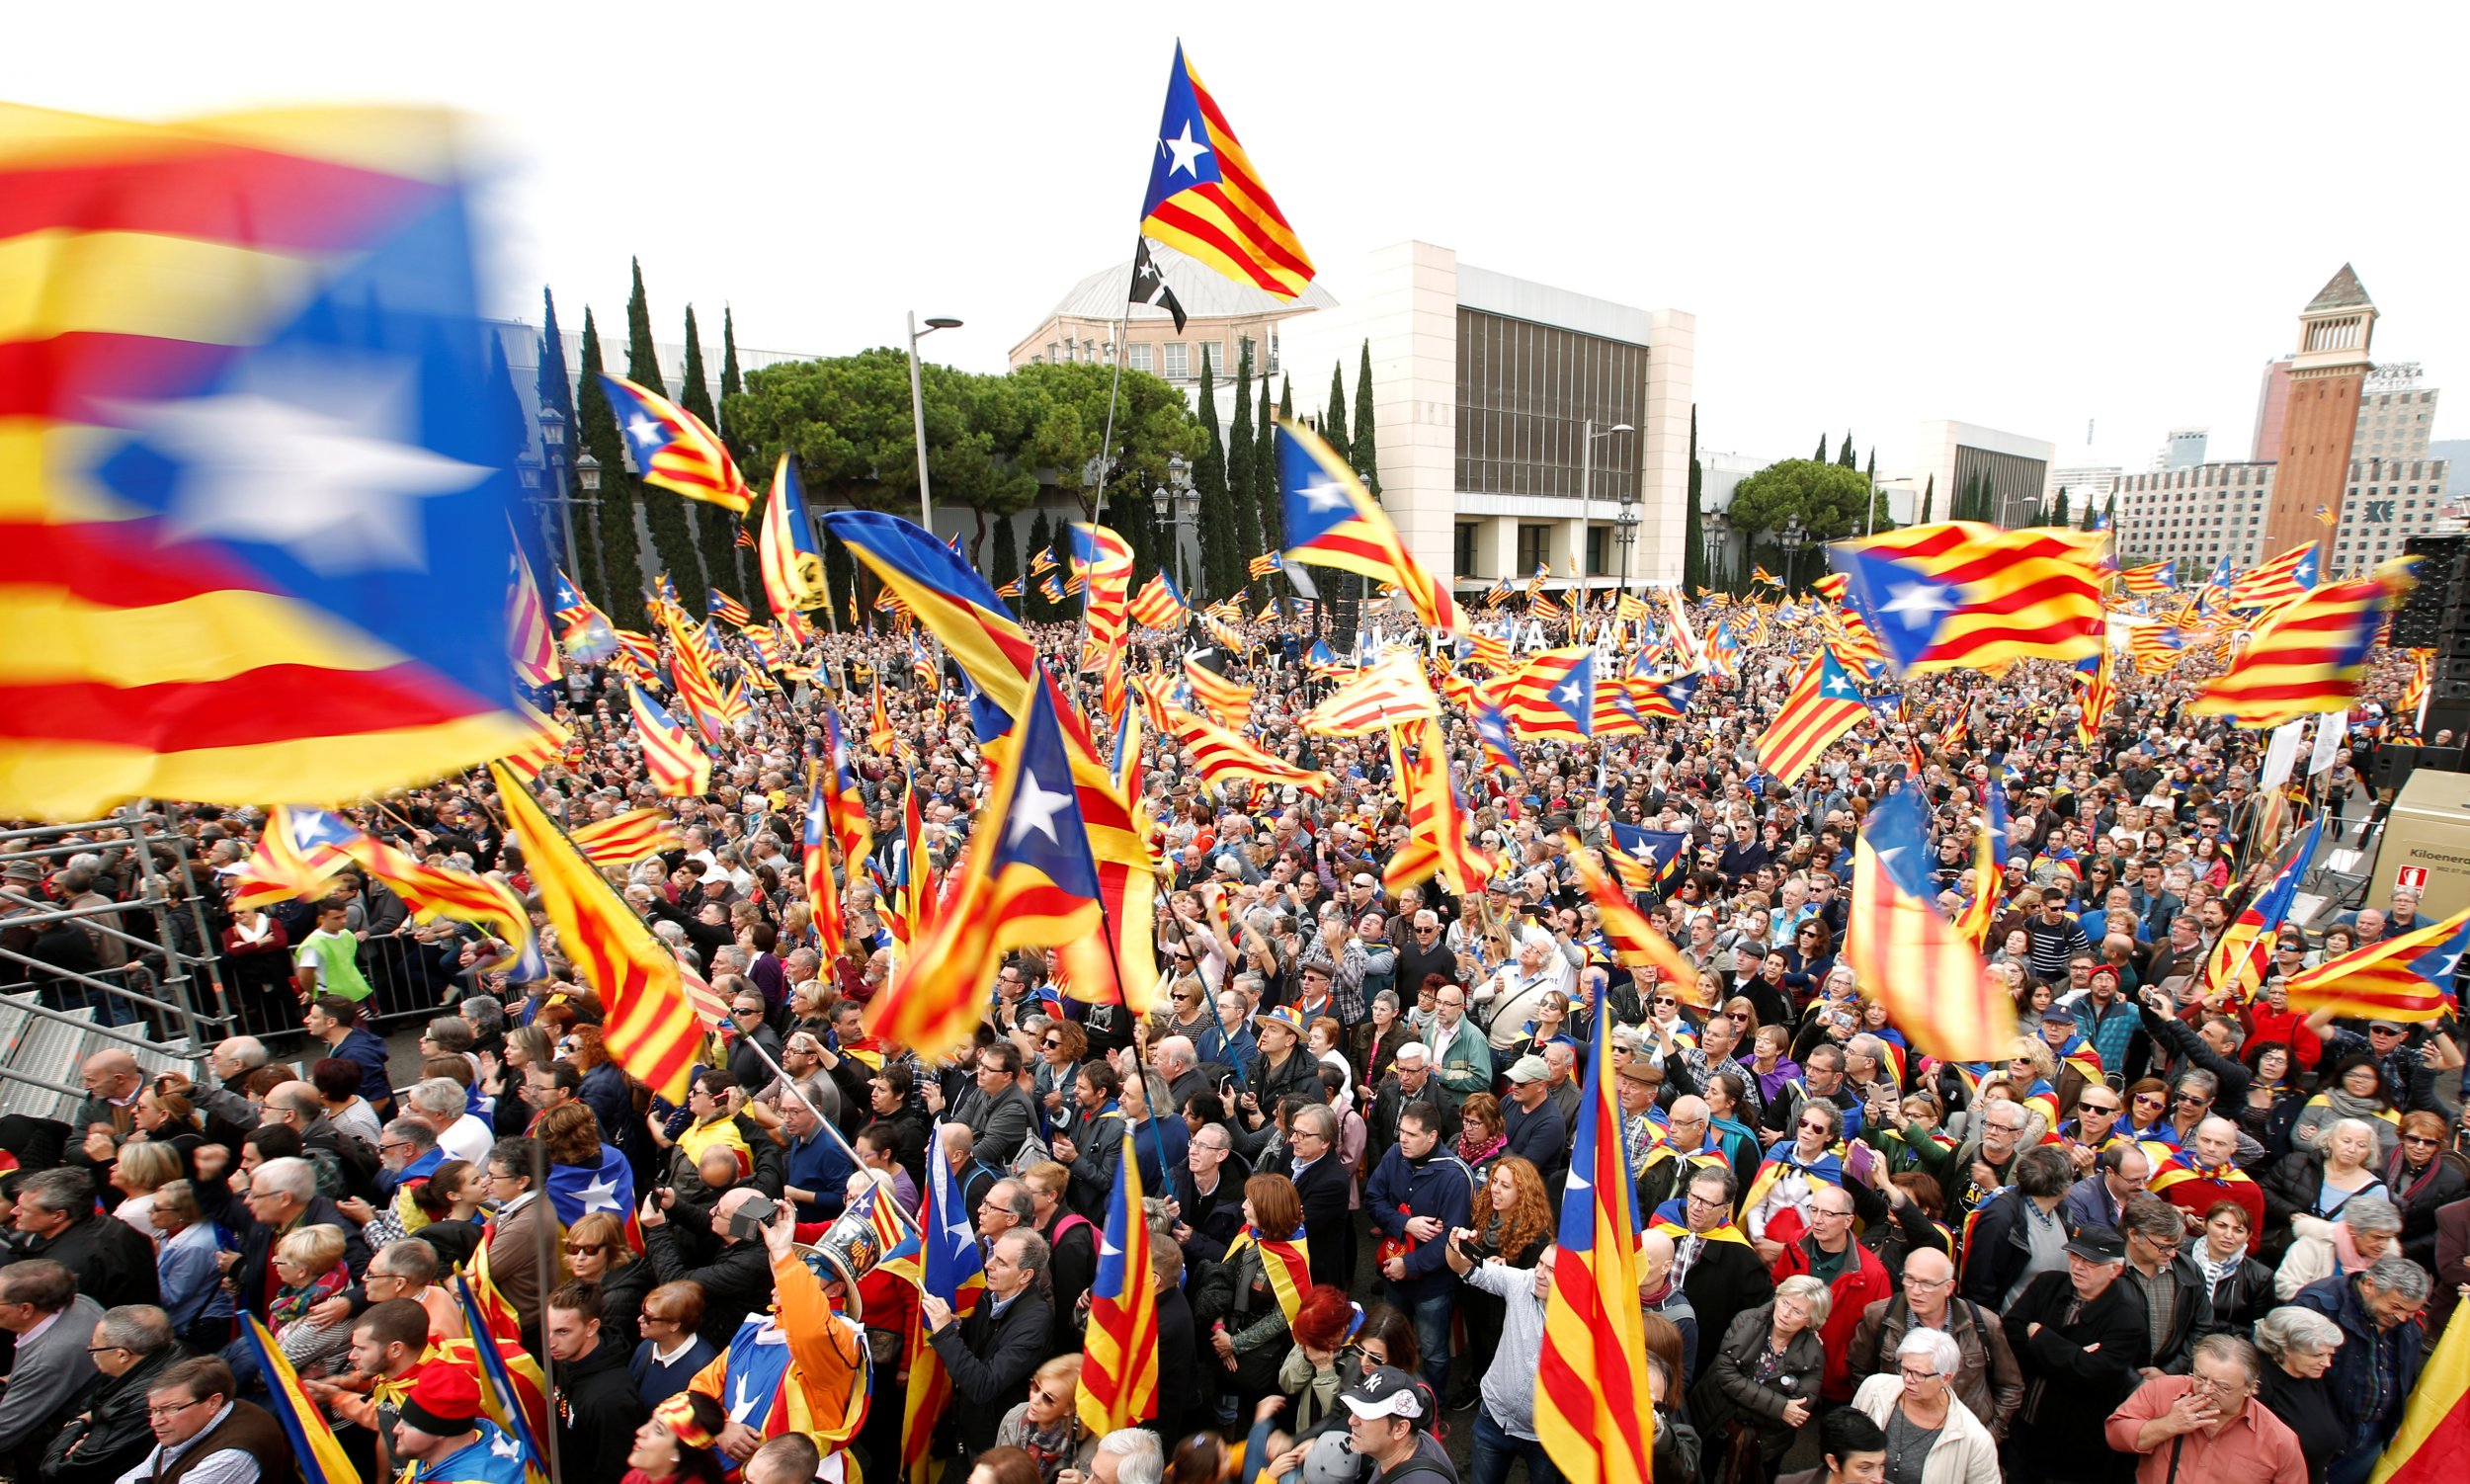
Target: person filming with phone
x,y
725,1255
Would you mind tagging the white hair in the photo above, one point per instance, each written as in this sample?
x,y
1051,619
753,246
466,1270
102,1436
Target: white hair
x,y
1140,1458
289,1176
438,1096
1947,1357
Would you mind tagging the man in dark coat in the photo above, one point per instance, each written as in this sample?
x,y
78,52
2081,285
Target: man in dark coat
x,y
736,1276
1323,1184
109,1435
992,1354
2383,1343
114,1264
1718,1269
597,1405
2079,1337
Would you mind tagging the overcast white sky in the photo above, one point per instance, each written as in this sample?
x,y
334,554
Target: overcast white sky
x,y
2023,217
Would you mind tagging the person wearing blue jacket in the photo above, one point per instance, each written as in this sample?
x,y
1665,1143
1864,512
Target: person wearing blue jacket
x,y
1418,1195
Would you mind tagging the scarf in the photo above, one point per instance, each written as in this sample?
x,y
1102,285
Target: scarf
x,y
2344,1249
292,1304
2404,1185
1475,1154
2216,1271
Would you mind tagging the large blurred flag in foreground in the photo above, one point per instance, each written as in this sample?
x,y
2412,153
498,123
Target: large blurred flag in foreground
x,y
1595,1412
255,473
950,598
1961,594
1205,199
1926,973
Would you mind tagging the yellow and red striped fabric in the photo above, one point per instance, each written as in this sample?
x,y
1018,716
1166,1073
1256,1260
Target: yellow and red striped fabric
x,y
1821,706
1552,694
2291,575
1221,755
1206,200
624,839
2147,580
2308,657
671,756
1634,941
1994,594
688,457
1229,700
1118,1387
1391,693
147,655
2405,979
651,1030
1594,1410
1439,834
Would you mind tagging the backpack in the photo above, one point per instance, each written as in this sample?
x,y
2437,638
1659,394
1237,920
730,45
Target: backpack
x,y
1035,1150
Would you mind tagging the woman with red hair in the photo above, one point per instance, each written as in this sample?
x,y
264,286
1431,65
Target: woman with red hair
x,y
1312,1376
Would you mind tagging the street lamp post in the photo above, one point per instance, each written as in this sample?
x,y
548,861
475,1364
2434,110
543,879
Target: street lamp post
x,y
1790,538
1713,526
559,495
1626,520
917,410
1177,504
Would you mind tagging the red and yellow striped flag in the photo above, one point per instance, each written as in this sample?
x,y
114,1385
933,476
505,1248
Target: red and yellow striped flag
x,y
1821,706
2309,656
1118,1385
650,1029
1221,755
624,839
1390,693
1594,1410
1229,700
2405,979
1206,200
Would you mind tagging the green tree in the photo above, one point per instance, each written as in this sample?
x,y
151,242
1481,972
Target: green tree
x,y
664,511
1265,477
2091,520
1843,455
1929,492
610,513
1333,419
1827,498
1032,597
1693,569
1342,589
715,529
1243,501
1366,447
2058,509
1006,560
1821,455
1221,566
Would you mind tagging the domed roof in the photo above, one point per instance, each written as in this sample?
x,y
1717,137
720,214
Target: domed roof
x,y
1203,293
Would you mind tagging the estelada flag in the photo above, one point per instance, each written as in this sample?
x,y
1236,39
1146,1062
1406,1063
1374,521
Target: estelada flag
x,y
261,511
2436,1422
1206,200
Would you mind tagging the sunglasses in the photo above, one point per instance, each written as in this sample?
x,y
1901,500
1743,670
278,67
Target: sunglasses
x,y
2149,1100
579,1249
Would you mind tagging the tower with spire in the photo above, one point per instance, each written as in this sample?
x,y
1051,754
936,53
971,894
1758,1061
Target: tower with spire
x,y
2334,331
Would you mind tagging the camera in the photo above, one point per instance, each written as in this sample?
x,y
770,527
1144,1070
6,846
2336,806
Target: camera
x,y
748,1224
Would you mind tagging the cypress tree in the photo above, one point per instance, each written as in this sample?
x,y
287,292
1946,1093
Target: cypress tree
x,y
1243,502
715,529
1366,448
554,391
664,511
1693,573
1006,559
840,574
613,509
1221,566
1032,598
1264,494
2058,516
1929,492
1334,418
2091,523
1843,454
1821,455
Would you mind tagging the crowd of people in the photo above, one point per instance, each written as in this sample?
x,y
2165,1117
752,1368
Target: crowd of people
x,y
2176,1233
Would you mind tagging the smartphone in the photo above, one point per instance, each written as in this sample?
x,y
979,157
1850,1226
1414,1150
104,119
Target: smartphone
x,y
751,1219
1858,1163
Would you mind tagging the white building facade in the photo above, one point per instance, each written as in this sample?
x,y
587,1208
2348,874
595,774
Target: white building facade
x,y
1514,420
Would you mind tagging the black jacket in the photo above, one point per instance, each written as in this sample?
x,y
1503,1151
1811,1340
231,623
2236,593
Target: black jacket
x,y
991,1358
1179,1402
2069,1386
113,1262
598,1410
1215,1218
257,1250
1327,1226
2242,1297
1725,1280
1999,1245
736,1278
2191,1318
111,1434
621,1301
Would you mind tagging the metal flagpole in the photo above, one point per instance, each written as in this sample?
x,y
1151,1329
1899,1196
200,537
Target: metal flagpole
x,y
549,1268
838,1138
1106,442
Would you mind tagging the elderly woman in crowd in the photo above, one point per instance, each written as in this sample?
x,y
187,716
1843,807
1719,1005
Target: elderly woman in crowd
x,y
1931,1437
1760,1388
189,1268
2365,1230
2317,1182
2298,1345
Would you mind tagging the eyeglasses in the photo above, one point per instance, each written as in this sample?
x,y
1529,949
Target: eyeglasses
x,y
159,1413
2149,1100
1821,1128
2193,1100
2202,1383
1054,1043
2107,1108
579,1249
2419,1138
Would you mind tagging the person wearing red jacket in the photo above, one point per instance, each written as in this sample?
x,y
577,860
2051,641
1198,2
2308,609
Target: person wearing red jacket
x,y
1855,1278
2268,1017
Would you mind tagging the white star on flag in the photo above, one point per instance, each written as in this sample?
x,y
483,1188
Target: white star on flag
x,y
1838,684
646,431
598,1195
1324,494
320,459
1568,694
1034,809
1187,151
1916,605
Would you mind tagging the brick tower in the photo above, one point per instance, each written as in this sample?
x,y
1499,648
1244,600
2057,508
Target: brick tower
x,y
2322,414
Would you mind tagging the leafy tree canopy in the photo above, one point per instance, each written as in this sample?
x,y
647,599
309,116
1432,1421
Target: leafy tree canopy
x,y
1828,497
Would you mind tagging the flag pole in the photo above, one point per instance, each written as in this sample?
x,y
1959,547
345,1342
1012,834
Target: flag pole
x,y
1106,441
548,1268
838,1138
